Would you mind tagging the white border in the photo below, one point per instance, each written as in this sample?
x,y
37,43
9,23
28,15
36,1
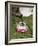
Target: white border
x,y
34,25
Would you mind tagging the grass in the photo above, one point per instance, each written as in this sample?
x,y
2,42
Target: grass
x,y
19,35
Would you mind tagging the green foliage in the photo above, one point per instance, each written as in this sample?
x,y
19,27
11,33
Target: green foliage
x,y
16,35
